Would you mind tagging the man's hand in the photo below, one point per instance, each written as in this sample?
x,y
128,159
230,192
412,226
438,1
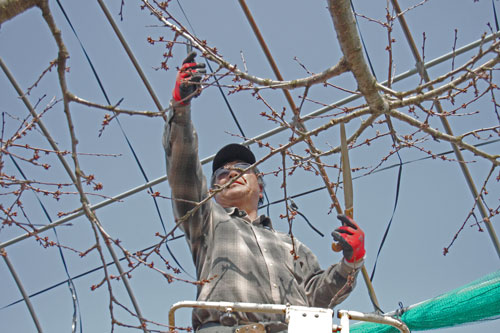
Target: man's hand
x,y
188,80
351,238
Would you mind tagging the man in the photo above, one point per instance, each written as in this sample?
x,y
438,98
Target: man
x,y
236,251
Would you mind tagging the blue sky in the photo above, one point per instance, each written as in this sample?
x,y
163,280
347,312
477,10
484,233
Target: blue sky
x,y
433,201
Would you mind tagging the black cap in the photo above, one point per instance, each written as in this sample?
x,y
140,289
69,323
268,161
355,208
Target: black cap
x,y
230,153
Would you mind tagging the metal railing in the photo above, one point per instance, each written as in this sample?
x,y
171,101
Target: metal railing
x,y
344,315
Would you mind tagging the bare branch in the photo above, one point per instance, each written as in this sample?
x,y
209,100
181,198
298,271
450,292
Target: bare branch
x,y
11,8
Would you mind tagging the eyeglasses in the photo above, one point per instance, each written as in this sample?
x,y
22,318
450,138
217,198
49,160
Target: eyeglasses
x,y
224,171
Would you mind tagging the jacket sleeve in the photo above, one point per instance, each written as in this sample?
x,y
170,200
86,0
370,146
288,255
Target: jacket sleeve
x,y
185,174
329,287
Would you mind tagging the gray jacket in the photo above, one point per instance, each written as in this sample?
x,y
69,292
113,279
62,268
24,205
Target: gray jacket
x,y
236,259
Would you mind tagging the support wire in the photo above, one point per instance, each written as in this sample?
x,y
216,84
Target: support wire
x,y
395,143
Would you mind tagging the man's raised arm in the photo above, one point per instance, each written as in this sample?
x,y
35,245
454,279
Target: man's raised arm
x,y
180,141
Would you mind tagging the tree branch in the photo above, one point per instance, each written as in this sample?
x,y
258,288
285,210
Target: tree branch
x,y
211,54
347,34
11,8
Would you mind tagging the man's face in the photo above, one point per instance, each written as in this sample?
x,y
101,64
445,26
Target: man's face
x,y
244,193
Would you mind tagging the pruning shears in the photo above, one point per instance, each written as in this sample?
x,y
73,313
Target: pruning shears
x,y
346,181
349,208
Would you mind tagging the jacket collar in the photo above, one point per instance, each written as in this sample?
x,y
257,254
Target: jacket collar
x,y
261,220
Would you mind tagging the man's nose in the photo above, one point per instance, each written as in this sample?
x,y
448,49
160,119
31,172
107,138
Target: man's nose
x,y
233,173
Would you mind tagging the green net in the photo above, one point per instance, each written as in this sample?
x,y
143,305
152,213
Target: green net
x,y
476,301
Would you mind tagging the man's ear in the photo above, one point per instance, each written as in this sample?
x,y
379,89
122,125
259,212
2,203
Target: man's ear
x,y
261,194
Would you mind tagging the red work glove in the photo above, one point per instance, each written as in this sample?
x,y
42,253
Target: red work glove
x,y
188,79
351,238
